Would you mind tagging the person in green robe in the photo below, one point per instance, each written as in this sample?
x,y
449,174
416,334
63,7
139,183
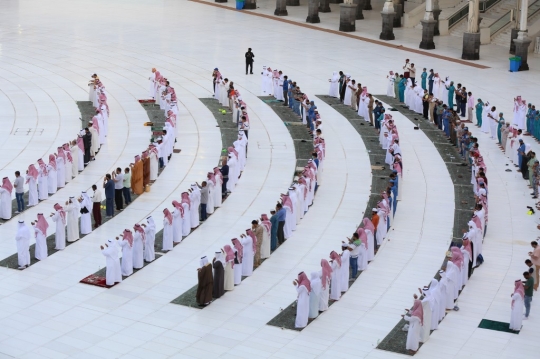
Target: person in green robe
x,y
479,106
402,85
424,77
499,126
451,89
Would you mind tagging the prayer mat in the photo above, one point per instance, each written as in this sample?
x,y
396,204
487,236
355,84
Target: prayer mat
x,y
147,101
497,326
97,281
98,278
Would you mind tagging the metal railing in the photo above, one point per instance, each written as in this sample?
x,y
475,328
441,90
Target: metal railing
x,y
505,20
488,4
459,15
463,12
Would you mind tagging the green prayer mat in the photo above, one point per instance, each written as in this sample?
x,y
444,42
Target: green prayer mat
x,y
498,326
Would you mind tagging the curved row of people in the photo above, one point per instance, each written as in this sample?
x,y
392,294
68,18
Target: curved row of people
x,y
196,204
44,179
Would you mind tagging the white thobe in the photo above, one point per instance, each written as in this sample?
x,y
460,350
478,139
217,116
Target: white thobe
x,y
228,282
302,307
413,335
41,245
154,166
233,175
138,255
86,218
217,192
43,186
186,220
237,270
371,245
72,212
390,86
247,260
52,180
362,259
60,233
75,164
32,191
335,283
516,316
149,253
127,258
23,246
210,203
314,297
344,270
426,328
80,159
289,220
60,172
94,143
5,204
195,199
68,170
177,226
113,274
325,294
167,235
265,245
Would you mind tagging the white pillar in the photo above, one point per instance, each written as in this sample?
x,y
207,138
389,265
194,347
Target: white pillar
x,y
388,7
429,10
523,18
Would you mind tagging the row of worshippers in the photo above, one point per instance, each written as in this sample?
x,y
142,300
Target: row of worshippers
x,y
66,218
98,126
43,179
441,294
524,289
275,83
332,280
195,205
161,91
230,98
430,308
245,253
357,252
352,93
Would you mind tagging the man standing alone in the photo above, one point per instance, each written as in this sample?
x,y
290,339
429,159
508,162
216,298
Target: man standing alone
x,y
19,191
249,61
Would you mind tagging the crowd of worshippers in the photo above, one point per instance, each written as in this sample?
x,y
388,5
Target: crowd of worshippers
x,y
524,289
162,92
375,116
118,187
230,97
314,293
283,89
44,179
196,205
245,253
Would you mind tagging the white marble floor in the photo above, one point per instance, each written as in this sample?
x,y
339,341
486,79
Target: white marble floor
x,y
49,49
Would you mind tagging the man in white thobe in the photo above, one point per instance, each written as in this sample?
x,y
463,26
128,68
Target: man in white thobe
x,y
110,251
86,209
72,210
23,245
